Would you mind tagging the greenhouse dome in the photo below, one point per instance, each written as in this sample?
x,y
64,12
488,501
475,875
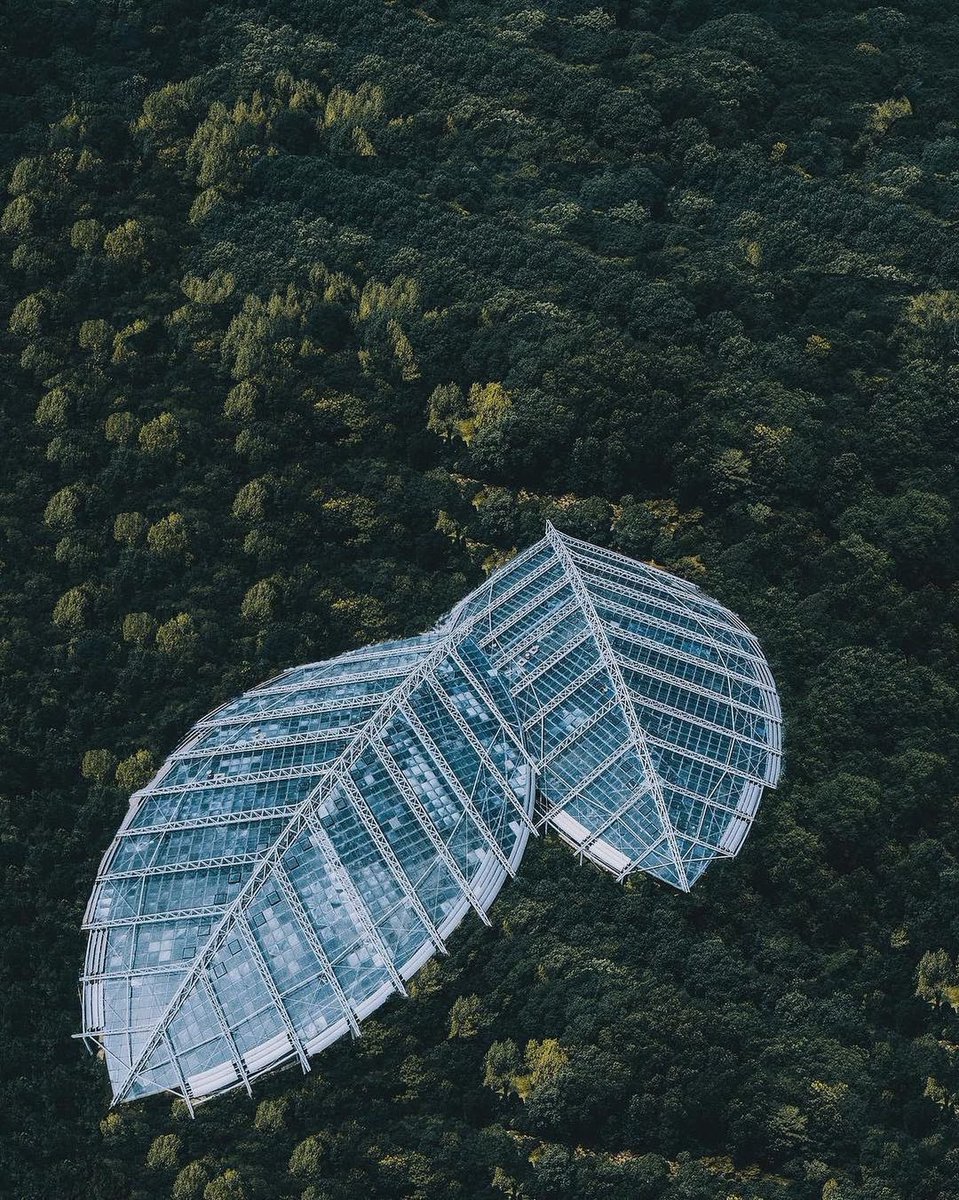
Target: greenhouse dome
x,y
648,708
311,844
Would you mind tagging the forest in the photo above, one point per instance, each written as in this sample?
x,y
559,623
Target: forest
x,y
311,314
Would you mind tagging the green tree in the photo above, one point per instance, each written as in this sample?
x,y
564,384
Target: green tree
x,y
53,408
164,1153
260,602
191,1181
87,235
467,1017
159,435
72,611
95,336
129,527
27,316
126,243
168,536
122,428
500,1066
136,770
250,501
938,979
271,1115
98,765
178,636
62,508
228,1186
139,628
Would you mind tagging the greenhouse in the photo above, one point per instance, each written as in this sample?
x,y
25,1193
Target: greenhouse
x,y
311,844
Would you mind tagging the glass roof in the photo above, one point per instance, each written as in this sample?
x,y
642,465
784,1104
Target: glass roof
x,y
312,843
648,708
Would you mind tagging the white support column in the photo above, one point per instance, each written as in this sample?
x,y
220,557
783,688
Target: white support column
x,y
438,760
426,824
361,915
680,682
179,914
226,1031
707,666
705,639
669,601
329,680
270,983
179,1073
382,844
285,885
695,756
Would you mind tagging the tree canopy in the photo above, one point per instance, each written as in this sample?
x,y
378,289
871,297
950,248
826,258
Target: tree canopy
x,y
312,313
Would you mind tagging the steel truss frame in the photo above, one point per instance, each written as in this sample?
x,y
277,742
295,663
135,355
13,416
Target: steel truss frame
x,y
404,670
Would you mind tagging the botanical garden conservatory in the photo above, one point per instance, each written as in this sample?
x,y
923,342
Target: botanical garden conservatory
x,y
311,844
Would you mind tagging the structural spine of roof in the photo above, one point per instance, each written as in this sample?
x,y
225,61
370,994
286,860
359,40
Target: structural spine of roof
x,y
622,692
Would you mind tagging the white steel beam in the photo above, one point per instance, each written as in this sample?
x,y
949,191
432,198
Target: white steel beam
x,y
433,835
619,686
382,844
585,782
249,816
528,677
659,596
301,710
570,689
501,628
336,733
538,633
302,918
216,781
244,926
225,1031
441,763
362,917
175,1062
484,693
576,734
484,755
705,760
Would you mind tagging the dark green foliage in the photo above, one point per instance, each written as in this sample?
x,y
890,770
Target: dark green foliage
x,y
310,313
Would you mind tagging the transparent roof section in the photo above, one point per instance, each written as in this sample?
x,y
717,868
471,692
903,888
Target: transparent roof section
x,y
649,709
301,854
310,845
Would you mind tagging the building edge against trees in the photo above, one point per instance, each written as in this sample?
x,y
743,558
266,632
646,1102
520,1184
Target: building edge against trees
x,y
311,844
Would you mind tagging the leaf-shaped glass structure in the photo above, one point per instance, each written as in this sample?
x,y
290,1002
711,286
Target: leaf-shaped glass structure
x,y
304,851
311,844
648,708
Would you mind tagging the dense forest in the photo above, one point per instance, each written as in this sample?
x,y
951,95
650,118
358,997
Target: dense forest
x,y
311,313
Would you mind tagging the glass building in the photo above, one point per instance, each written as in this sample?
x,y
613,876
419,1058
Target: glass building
x,y
311,844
